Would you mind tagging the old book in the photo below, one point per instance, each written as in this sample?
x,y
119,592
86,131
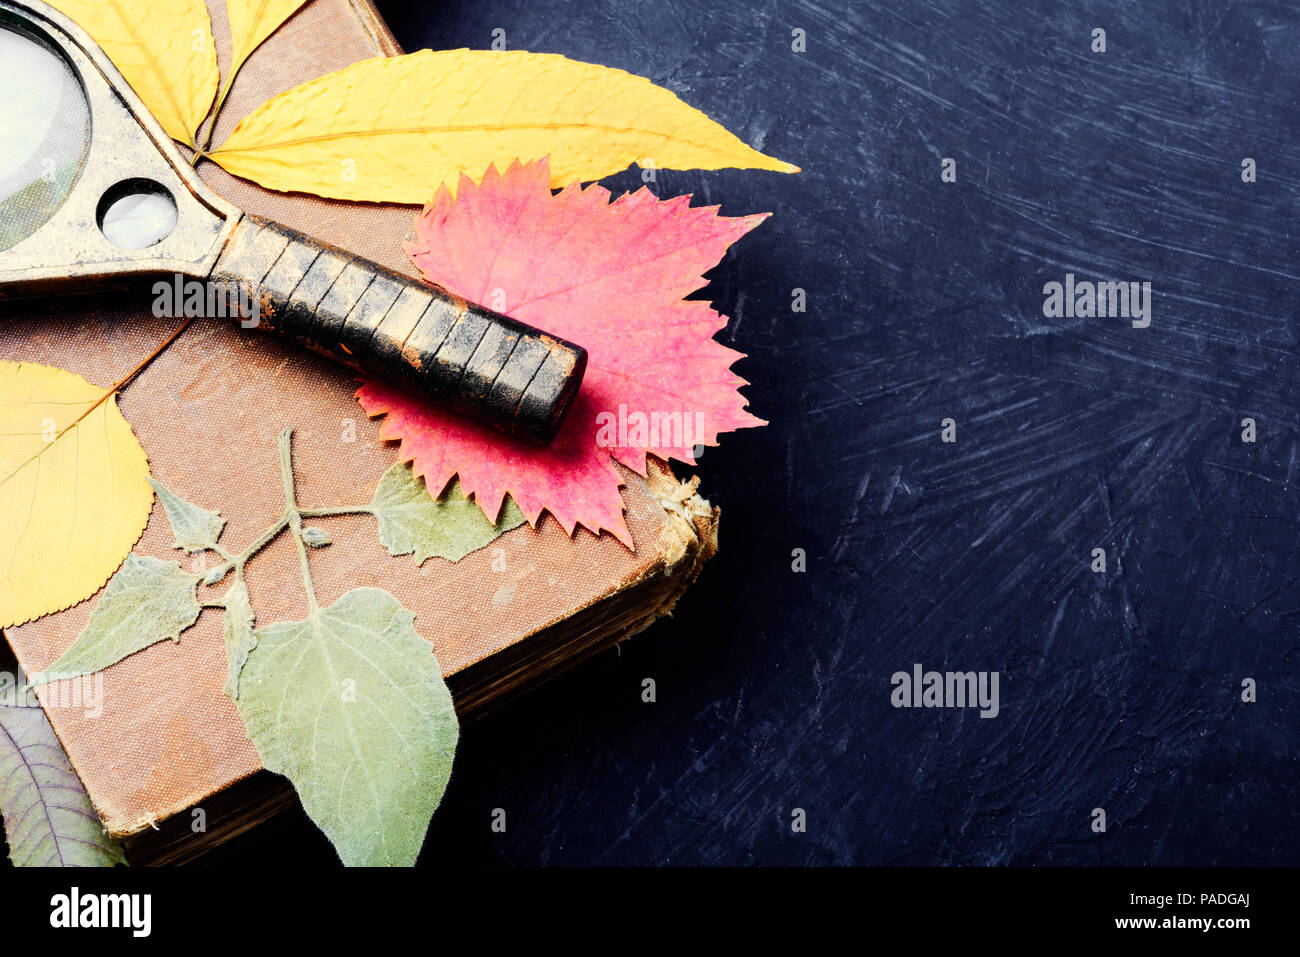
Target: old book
x,y
207,412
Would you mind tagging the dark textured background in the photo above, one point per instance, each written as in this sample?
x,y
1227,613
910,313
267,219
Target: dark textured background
x,y
925,301
1119,690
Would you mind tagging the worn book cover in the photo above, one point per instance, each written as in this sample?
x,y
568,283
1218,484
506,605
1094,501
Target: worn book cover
x,y
207,411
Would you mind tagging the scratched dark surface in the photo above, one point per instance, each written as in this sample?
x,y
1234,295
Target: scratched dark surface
x,y
1118,690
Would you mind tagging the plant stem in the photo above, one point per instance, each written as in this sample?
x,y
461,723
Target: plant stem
x,y
336,510
238,562
285,439
236,65
221,101
291,519
295,518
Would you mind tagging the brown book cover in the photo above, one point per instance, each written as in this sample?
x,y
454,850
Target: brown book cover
x,y
207,412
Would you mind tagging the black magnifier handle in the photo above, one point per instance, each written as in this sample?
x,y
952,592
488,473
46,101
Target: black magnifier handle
x,y
415,335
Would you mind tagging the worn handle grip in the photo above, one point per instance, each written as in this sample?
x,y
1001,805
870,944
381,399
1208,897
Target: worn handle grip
x,y
416,335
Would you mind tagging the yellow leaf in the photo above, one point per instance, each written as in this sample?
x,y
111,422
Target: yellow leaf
x,y
252,21
164,50
73,495
394,128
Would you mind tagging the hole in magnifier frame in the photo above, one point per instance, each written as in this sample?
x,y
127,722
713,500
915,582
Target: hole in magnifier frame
x,y
136,213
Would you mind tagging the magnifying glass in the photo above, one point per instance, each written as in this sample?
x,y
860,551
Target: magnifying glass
x,y
93,192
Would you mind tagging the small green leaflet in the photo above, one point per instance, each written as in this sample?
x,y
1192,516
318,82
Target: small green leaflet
x,y
146,601
350,705
450,527
193,528
49,820
237,627
314,537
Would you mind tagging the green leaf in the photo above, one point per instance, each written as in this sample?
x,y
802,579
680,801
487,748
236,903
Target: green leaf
x,y
146,601
49,820
238,631
314,537
214,575
350,705
412,521
193,528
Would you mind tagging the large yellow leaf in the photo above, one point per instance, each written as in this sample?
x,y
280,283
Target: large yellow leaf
x,y
394,128
252,21
164,50
73,495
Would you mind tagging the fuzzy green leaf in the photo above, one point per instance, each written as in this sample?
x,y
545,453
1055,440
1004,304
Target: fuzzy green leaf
x,y
314,537
237,628
350,705
146,601
193,528
411,521
49,820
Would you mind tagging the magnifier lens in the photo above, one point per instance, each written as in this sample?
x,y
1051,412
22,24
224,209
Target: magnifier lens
x,y
44,132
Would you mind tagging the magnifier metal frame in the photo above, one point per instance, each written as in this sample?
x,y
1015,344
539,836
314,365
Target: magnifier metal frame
x,y
489,366
126,142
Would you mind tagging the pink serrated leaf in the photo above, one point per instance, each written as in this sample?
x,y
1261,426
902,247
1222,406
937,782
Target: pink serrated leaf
x,y
610,276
